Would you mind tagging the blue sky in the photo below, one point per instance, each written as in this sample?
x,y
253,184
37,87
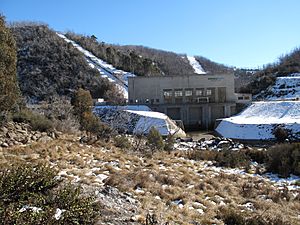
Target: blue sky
x,y
242,33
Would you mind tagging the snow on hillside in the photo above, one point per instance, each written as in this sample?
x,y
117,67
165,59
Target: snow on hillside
x,y
259,120
284,88
195,64
119,77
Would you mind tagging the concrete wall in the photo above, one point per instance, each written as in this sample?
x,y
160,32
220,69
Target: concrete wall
x,y
143,89
195,111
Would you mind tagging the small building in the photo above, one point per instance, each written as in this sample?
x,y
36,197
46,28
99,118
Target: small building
x,y
197,100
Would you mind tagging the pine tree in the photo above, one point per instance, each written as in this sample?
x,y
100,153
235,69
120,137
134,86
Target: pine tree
x,y
9,89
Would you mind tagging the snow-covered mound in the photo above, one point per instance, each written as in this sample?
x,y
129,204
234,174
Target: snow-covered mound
x,y
258,121
137,121
119,77
195,64
284,88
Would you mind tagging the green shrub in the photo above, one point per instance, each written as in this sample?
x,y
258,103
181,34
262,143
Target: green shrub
x,y
122,142
33,195
284,159
232,159
155,140
226,158
36,121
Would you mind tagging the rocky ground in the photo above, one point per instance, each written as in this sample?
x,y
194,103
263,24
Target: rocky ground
x,y
131,185
21,133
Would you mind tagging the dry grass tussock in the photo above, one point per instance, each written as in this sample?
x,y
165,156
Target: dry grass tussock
x,y
176,189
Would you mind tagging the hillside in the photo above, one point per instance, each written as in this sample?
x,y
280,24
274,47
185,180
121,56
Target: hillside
x,y
48,66
286,65
144,60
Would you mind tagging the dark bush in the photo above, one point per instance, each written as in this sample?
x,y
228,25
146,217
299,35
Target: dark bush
x,y
284,159
36,121
280,133
33,195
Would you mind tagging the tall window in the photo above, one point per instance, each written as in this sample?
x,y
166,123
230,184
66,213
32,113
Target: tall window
x,y
199,92
208,92
188,93
178,93
168,93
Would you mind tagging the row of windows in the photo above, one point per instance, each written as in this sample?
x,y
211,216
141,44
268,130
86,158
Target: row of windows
x,y
178,93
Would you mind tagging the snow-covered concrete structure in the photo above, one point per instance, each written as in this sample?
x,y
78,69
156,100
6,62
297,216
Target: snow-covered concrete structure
x,y
287,87
258,121
137,119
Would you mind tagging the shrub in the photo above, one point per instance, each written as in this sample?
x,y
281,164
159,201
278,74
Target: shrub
x,y
32,195
122,142
169,143
280,133
36,121
284,159
155,140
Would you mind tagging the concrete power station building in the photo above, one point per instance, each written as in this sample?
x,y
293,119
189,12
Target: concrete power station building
x,y
197,100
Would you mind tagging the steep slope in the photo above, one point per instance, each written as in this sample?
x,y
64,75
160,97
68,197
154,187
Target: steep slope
x,y
118,77
48,66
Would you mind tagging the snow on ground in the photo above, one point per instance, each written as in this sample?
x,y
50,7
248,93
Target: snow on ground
x,y
284,88
259,120
195,64
119,77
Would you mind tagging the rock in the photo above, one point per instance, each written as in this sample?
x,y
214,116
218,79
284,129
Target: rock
x,y
45,139
10,135
187,139
224,144
5,145
18,127
201,140
138,218
4,130
83,139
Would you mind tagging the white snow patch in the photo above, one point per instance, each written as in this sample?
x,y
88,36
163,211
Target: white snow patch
x,y
119,77
196,65
258,120
58,213
32,208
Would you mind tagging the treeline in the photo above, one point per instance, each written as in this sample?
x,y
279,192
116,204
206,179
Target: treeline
x,y
129,61
48,67
145,61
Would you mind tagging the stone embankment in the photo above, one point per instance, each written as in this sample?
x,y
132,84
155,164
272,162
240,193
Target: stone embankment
x,y
21,133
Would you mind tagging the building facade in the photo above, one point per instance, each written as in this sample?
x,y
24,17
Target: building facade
x,y
196,100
